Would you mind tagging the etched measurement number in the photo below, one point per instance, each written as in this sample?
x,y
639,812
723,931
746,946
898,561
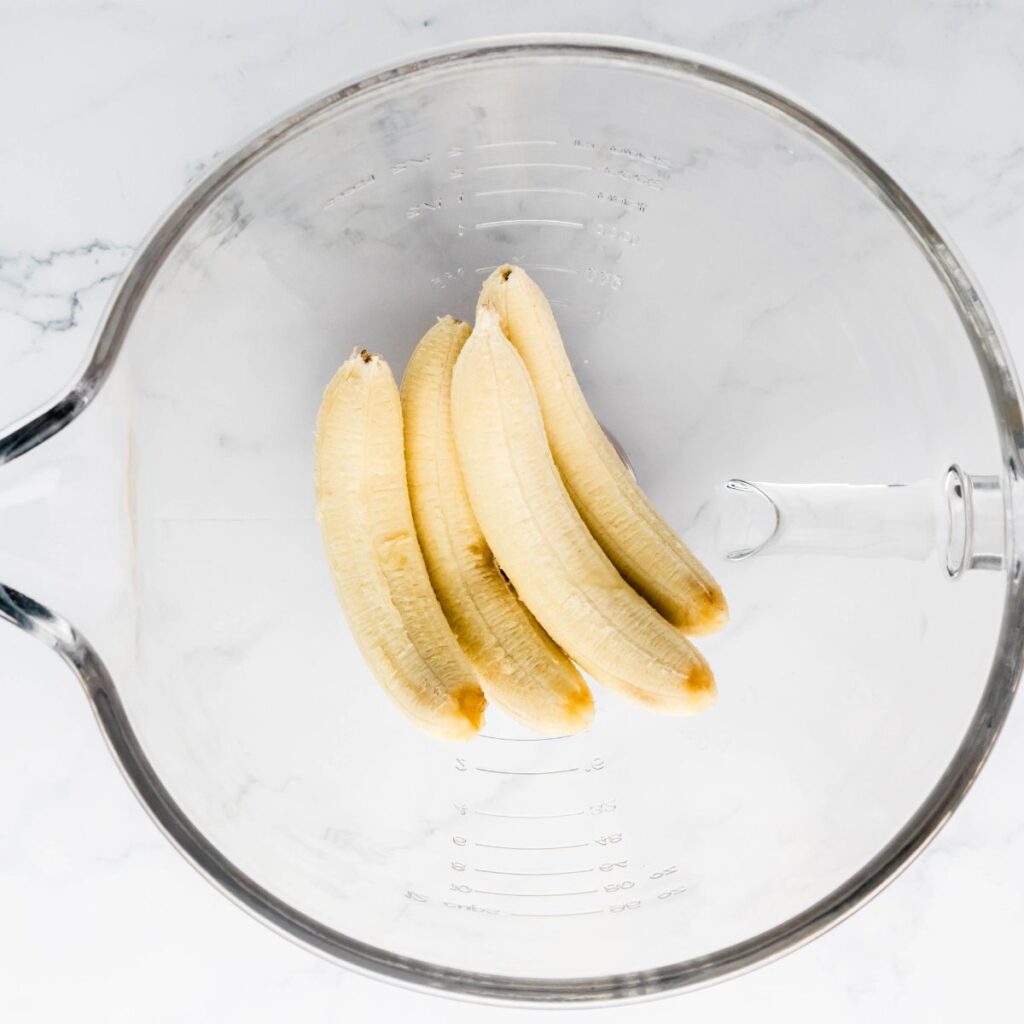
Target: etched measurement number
x,y
349,189
428,206
609,839
614,232
471,907
603,278
596,765
404,165
605,807
457,865
663,872
616,886
459,840
444,279
668,894
611,197
635,178
460,764
618,908
415,896
455,887
611,865
459,808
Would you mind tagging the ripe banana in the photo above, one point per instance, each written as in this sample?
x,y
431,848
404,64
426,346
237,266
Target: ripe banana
x,y
542,544
663,704
378,568
520,667
626,525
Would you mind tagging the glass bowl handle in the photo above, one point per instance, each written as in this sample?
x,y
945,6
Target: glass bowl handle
x,y
963,520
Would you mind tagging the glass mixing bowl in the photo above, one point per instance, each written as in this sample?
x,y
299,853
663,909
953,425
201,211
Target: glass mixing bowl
x,y
791,358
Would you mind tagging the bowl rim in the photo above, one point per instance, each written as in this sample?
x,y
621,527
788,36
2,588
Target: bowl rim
x,y
946,795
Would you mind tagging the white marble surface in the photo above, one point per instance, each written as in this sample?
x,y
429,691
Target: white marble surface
x,y
111,109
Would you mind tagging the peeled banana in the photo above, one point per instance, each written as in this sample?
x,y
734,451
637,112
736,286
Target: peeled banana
x,y
539,539
379,573
520,667
626,525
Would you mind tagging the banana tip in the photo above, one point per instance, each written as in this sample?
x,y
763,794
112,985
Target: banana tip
x,y
709,618
578,710
471,703
701,688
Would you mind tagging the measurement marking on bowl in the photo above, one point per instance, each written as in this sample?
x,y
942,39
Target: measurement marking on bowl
x,y
531,222
614,233
534,874
495,846
517,142
639,205
527,163
532,191
571,913
577,892
344,193
505,771
522,739
634,178
495,814
553,270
